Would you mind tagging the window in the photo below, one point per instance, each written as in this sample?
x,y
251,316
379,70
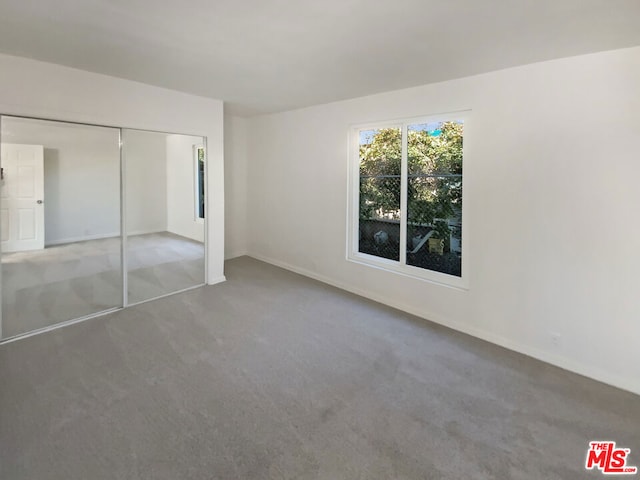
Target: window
x,y
406,202
199,181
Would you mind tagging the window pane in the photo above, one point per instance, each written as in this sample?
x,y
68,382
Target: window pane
x,y
379,214
435,148
434,197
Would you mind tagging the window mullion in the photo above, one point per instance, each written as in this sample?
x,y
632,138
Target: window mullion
x,y
404,169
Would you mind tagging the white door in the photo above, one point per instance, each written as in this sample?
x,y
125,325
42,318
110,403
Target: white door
x,y
22,197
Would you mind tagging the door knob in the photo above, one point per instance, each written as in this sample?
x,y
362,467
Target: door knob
x,y
39,202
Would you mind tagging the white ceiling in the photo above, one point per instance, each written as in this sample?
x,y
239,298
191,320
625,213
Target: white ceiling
x,y
273,55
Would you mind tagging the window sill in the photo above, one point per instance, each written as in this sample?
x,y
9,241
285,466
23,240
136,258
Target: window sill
x,y
392,266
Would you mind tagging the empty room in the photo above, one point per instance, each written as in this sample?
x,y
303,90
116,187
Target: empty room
x,y
319,240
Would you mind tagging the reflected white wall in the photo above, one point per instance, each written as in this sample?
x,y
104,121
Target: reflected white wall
x,y
181,185
77,207
145,155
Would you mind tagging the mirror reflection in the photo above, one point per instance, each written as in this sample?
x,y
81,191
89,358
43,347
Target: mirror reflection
x,y
165,217
60,222
67,191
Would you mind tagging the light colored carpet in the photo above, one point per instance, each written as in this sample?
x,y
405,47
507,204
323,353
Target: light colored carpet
x,y
275,376
161,263
63,282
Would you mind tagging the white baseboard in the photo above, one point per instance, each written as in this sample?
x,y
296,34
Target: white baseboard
x,y
217,280
98,236
232,255
196,237
631,385
62,241
145,232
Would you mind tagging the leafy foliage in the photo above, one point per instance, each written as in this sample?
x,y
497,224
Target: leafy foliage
x,y
434,160
380,168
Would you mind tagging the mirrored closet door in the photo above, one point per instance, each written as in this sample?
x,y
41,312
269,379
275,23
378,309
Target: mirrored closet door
x,y
164,192
60,222
94,219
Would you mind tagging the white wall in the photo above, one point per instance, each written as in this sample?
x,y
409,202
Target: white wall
x,y
81,177
181,193
552,181
39,89
145,155
235,182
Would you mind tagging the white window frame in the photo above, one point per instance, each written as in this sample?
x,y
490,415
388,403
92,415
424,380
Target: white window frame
x,y
196,183
353,225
